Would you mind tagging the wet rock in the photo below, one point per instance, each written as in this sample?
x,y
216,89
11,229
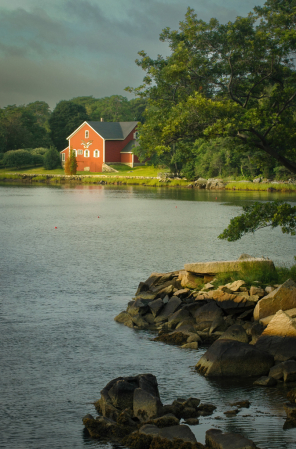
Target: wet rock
x,y
265,381
122,393
192,421
235,332
123,317
140,322
194,337
192,345
173,338
241,404
165,421
290,410
218,324
215,439
292,395
285,371
234,358
181,432
282,298
231,412
206,409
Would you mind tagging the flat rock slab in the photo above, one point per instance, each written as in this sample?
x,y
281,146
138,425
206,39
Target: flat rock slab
x,y
181,432
228,266
215,439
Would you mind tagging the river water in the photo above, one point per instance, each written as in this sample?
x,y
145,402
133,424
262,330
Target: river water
x,y
71,259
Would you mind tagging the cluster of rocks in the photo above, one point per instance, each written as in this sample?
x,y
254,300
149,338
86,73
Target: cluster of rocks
x,y
209,184
249,329
130,412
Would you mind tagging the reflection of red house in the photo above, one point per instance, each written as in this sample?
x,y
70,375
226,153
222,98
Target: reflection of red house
x,y
99,143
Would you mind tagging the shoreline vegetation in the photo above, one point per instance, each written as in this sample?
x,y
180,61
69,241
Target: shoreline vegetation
x,y
142,176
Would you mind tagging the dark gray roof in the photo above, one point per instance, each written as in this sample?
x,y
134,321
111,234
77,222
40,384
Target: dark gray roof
x,y
113,130
129,147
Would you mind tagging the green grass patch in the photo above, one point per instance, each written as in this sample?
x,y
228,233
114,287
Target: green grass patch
x,y
262,276
281,187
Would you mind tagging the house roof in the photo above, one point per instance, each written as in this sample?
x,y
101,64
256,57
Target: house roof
x,y
110,130
129,147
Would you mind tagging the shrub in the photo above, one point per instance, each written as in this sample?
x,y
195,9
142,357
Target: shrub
x,y
17,158
51,159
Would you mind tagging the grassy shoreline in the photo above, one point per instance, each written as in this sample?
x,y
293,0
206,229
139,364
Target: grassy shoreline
x,y
143,176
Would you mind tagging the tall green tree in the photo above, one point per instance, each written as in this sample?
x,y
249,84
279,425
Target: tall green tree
x,y
65,118
233,80
20,129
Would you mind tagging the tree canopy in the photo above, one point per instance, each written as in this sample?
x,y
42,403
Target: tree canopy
x,y
234,80
261,215
65,118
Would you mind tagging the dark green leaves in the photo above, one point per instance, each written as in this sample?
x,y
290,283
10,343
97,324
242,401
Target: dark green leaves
x,y
260,215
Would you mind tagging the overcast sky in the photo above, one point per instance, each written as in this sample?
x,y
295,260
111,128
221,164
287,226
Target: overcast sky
x,y
54,50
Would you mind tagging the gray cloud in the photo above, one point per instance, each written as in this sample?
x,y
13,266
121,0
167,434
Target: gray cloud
x,y
60,49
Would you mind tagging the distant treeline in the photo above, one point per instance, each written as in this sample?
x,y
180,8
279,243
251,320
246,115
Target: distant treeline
x,y
34,125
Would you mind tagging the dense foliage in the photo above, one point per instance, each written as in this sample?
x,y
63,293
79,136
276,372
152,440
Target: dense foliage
x,y
234,80
52,159
23,126
21,158
65,118
261,215
70,166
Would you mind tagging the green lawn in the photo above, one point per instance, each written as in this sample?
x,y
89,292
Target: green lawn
x,y
123,170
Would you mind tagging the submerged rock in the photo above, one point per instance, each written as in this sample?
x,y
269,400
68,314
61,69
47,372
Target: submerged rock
x,y
215,439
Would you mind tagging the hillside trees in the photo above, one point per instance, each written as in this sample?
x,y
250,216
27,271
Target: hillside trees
x,y
19,128
115,108
65,118
51,158
234,80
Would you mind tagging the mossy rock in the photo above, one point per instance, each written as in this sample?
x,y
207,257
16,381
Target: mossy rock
x,y
173,338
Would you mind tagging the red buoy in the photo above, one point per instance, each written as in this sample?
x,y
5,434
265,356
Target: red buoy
x,y
56,227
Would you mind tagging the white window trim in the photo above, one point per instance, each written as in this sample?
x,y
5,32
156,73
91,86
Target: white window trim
x,y
136,135
75,153
86,153
80,152
86,134
98,153
63,157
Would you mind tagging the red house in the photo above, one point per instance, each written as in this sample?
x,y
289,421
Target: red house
x,y
97,144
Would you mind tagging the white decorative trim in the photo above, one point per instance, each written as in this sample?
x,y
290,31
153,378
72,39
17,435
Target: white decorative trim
x,y
86,134
98,153
104,149
86,153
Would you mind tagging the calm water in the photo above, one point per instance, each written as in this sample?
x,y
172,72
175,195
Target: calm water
x,y
61,288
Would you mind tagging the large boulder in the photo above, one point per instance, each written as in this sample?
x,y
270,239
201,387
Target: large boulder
x,y
285,371
215,439
227,358
229,265
145,405
279,337
282,298
119,394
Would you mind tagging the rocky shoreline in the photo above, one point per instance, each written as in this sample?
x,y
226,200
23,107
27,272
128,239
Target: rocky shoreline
x,y
249,332
159,181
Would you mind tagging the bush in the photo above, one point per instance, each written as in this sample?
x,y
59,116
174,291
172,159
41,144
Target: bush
x,y
71,164
17,158
51,159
